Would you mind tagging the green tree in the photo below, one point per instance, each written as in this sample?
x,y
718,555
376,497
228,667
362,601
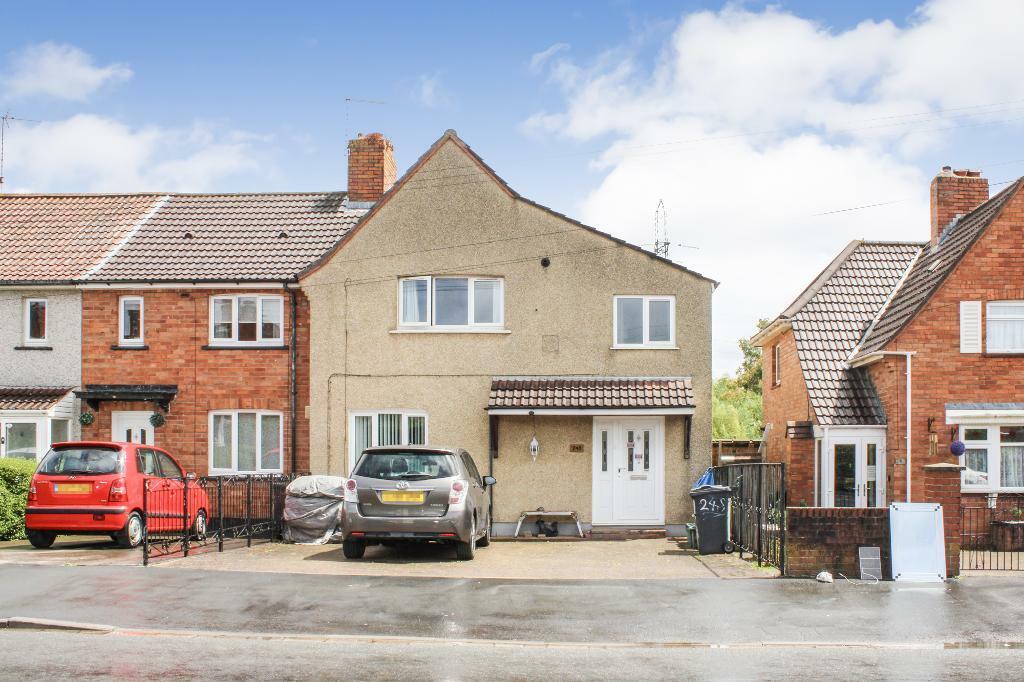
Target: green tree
x,y
736,401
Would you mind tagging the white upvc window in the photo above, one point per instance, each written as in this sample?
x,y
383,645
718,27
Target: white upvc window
x,y
246,320
369,429
130,323
451,303
246,441
1005,327
644,322
34,322
993,457
776,365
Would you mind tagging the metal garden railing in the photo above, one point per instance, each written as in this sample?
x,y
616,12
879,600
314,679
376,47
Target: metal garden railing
x,y
758,509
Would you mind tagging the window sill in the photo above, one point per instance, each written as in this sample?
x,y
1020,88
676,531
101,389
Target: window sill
x,y
247,347
229,472
645,347
988,491
442,330
129,347
1003,354
33,348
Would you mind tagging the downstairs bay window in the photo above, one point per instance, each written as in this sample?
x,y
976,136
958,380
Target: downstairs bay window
x,y
390,427
993,457
245,441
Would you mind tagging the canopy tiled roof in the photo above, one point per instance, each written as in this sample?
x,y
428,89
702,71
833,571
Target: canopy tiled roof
x,y
931,270
220,237
833,318
571,392
58,238
21,398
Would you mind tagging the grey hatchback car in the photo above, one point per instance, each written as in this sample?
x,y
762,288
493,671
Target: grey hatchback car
x,y
416,494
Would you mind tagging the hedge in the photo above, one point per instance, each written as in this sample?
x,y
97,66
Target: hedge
x,y
15,477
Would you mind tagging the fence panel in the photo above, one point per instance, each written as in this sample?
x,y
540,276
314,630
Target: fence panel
x,y
758,509
185,515
992,538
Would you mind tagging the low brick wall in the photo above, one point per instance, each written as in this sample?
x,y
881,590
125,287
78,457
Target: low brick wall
x,y
819,538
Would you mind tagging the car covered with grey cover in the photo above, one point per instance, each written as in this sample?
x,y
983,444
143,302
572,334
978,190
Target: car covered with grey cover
x,y
312,509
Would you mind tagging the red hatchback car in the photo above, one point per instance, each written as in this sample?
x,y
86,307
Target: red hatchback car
x,y
95,488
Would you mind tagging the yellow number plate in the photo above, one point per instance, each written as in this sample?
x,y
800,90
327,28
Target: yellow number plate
x,y
402,495
72,488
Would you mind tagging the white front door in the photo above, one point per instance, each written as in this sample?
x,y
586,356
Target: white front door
x,y
132,427
854,469
628,471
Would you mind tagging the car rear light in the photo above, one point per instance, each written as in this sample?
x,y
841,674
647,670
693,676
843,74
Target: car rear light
x,y
447,535
458,494
118,491
350,491
32,496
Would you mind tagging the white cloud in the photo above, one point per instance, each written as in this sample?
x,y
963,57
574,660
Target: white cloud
x,y
751,122
538,59
88,153
60,71
430,92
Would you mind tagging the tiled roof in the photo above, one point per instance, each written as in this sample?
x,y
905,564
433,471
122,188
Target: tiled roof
x,y
16,398
232,237
556,392
931,270
58,238
834,318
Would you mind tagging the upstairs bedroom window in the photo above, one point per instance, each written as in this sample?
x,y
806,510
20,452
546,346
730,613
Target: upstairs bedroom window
x,y
246,321
1005,327
451,303
130,321
35,322
644,322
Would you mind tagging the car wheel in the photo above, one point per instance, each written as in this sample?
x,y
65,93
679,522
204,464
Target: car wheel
x,y
132,533
199,526
353,549
41,539
485,539
465,551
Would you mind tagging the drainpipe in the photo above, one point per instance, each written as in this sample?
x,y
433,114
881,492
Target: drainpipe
x,y
293,388
906,355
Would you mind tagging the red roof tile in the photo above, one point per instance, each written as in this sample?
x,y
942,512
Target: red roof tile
x,y
557,392
16,398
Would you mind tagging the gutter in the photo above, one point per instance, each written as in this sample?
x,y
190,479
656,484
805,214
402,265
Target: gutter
x,y
778,325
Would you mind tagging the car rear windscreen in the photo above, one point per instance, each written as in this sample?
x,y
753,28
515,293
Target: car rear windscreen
x,y
83,461
406,466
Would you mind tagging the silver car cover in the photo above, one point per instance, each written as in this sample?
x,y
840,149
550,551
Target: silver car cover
x,y
312,509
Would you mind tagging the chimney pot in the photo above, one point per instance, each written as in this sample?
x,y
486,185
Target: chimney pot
x,y
954,193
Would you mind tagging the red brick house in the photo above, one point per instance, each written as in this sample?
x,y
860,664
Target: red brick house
x,y
194,332
898,349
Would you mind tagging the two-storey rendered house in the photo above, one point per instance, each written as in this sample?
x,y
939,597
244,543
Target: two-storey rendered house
x,y
898,350
49,243
574,367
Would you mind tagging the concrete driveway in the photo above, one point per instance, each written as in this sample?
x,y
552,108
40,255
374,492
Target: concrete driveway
x,y
70,551
592,560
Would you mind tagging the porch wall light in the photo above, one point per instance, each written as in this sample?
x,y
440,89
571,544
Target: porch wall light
x,y
534,448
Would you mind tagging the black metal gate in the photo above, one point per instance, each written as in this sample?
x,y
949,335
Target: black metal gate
x,y
758,509
181,515
992,538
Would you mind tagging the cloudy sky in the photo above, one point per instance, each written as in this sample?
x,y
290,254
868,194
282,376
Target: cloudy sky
x,y
773,133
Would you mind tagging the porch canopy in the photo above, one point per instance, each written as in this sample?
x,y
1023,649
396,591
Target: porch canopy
x,y
38,399
590,395
158,394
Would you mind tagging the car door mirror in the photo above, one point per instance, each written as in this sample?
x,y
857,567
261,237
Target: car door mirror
x,y
489,480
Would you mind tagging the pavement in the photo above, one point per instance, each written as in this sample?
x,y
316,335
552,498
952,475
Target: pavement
x,y
193,623
70,550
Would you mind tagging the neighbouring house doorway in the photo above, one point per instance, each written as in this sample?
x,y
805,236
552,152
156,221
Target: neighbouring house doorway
x,y
629,471
132,427
851,468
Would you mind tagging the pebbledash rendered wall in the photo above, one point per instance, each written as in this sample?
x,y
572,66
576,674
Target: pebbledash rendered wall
x,y
60,364
177,352
558,320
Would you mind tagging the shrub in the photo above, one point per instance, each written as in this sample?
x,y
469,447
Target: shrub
x,y
15,477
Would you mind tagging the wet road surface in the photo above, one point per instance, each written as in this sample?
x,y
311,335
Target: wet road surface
x,y
978,610
51,655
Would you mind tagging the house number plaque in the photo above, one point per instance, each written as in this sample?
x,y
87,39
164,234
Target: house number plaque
x,y
575,447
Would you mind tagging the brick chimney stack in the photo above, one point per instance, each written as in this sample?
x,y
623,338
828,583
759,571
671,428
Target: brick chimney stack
x,y
371,167
955,193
